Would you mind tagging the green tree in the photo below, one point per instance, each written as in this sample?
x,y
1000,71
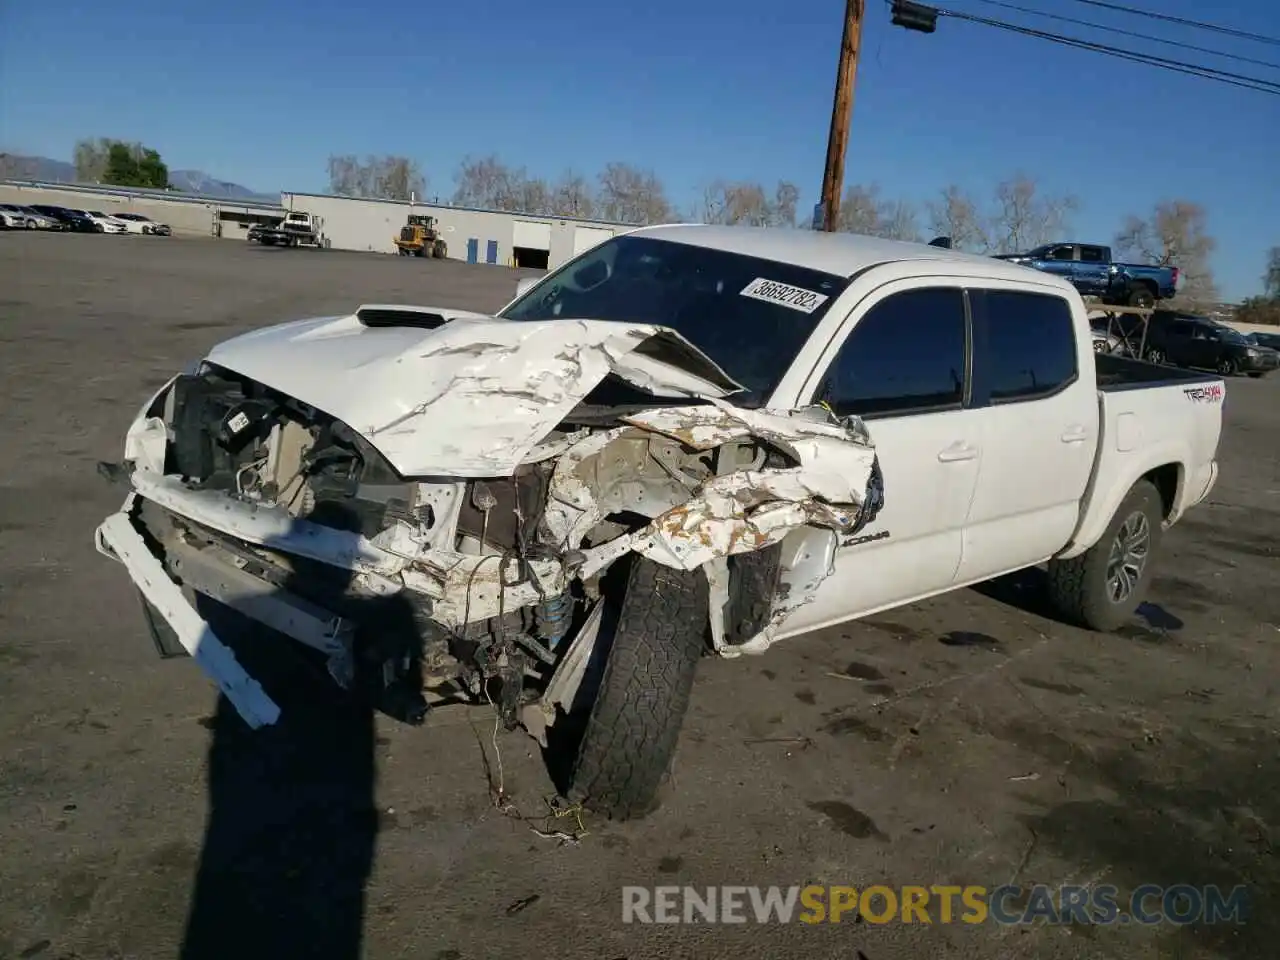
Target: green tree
x,y
133,165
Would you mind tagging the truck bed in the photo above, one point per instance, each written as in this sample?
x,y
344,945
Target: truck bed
x,y
1151,417
1125,373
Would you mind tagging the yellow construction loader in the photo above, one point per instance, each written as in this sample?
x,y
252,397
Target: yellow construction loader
x,y
419,237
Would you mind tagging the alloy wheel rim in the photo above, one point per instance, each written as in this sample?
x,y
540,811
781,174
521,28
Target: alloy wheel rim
x,y
1128,559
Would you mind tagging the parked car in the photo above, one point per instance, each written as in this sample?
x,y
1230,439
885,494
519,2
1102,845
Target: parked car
x,y
72,220
1090,269
38,220
105,222
1191,340
1105,340
559,516
1268,340
13,217
137,223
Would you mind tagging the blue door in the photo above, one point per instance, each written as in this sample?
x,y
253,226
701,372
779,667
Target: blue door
x,y
491,252
473,250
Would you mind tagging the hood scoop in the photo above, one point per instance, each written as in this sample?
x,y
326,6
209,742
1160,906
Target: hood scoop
x,y
391,315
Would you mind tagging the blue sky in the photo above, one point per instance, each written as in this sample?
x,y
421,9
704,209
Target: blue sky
x,y
262,93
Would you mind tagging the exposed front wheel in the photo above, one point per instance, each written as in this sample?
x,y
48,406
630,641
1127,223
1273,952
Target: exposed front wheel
x,y
1101,588
633,727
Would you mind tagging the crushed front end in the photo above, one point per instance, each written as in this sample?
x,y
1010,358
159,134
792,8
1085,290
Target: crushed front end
x,y
435,588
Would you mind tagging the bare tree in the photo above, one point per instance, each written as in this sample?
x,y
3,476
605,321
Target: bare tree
x,y
385,178
489,183
90,159
786,197
1175,235
956,215
862,211
1025,218
749,204
571,196
898,221
532,195
630,195
1271,279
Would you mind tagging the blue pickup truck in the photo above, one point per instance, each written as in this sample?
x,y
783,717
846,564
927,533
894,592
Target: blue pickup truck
x,y
1090,269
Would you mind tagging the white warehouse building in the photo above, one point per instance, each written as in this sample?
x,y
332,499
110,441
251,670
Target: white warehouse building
x,y
476,236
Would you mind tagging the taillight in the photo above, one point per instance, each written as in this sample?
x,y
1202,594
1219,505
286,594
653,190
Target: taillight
x,y
1176,273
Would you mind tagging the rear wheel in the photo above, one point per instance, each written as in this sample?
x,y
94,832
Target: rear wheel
x,y
1142,297
631,733
1227,367
1101,588
1156,355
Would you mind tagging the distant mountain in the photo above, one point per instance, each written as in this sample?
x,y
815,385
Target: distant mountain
x,y
19,167
197,181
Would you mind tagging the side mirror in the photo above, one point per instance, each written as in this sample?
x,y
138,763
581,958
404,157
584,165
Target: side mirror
x,y
525,284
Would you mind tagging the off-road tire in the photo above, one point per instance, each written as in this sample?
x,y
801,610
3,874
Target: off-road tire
x,y
1078,586
634,724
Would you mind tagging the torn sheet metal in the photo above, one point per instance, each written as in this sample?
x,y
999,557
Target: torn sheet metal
x,y
835,489
800,433
749,510
473,397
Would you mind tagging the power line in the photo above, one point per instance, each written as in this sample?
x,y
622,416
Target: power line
x,y
1132,33
1198,24
1177,66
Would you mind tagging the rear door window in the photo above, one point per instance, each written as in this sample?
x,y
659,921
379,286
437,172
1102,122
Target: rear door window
x,y
1025,345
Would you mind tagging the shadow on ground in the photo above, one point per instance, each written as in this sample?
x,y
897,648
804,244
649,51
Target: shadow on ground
x,y
289,843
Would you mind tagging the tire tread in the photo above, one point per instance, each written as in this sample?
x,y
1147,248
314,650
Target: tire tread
x,y
634,724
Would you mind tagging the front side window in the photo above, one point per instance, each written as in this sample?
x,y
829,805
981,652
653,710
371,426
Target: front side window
x,y
750,315
1027,344
905,355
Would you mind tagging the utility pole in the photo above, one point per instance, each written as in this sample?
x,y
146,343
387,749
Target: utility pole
x,y
841,111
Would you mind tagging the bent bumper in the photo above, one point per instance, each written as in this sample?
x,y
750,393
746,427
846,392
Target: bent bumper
x,y
116,538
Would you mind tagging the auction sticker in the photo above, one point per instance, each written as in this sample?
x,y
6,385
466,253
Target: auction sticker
x,y
797,298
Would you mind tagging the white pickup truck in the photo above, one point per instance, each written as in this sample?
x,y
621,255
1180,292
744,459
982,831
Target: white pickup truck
x,y
687,439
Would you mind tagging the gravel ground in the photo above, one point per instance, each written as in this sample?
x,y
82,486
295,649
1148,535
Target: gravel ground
x,y
967,740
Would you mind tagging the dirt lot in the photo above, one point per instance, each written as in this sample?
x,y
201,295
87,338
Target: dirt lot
x,y
969,739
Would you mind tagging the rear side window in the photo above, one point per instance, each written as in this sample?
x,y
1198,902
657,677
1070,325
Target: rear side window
x,y
1026,345
905,355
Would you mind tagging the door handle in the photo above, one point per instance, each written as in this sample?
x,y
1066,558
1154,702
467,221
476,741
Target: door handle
x,y
1075,435
957,451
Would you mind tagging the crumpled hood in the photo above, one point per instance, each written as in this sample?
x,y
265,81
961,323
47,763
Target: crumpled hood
x,y
470,398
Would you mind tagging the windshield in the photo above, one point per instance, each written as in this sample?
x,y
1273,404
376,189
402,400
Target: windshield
x,y
1232,336
751,316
